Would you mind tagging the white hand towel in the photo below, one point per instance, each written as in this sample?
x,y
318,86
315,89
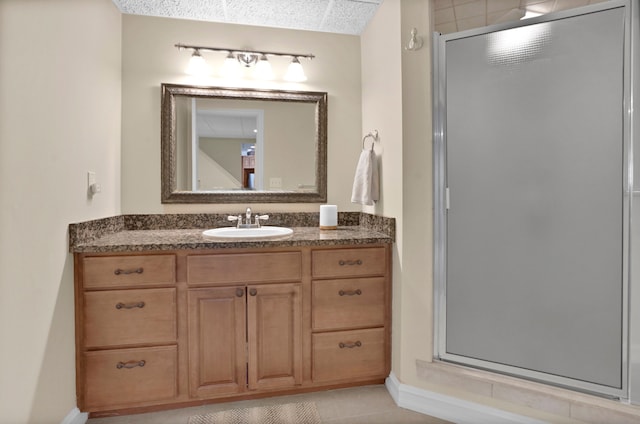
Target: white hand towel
x,y
366,184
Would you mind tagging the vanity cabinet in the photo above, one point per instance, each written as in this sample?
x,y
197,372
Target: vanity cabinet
x,y
350,298
126,330
247,336
176,328
244,338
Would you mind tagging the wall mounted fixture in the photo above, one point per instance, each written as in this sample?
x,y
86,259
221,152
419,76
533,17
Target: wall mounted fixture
x,y
415,42
237,59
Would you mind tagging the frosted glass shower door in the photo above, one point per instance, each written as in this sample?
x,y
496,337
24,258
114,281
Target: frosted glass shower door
x,y
535,174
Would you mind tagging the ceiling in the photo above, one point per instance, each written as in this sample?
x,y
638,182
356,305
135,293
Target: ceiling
x,y
214,124
341,16
336,16
459,15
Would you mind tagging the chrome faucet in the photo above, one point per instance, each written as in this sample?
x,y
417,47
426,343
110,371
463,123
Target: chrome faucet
x,y
247,219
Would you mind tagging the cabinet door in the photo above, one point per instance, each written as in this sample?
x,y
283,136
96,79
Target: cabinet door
x,y
274,324
217,341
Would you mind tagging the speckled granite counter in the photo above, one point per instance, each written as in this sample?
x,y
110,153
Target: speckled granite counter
x,y
184,231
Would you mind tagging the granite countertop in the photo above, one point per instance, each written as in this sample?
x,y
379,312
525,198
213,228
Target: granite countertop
x,y
175,232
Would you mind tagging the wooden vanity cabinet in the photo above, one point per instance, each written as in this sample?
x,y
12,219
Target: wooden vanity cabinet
x,y
126,330
350,314
176,328
244,337
217,341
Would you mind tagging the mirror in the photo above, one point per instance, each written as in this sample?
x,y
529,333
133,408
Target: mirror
x,y
236,145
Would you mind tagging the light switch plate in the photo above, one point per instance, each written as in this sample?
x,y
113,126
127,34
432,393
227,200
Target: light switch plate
x,y
275,182
91,178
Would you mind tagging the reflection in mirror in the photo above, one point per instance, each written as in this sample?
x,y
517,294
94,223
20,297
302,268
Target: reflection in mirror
x,y
223,145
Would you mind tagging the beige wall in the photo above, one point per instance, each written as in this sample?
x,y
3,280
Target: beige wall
x,y
417,218
150,58
396,101
59,118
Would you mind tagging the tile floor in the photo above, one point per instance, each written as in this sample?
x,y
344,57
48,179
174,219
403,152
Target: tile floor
x,y
360,405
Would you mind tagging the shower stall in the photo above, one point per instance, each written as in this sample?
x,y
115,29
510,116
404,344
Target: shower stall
x,y
535,246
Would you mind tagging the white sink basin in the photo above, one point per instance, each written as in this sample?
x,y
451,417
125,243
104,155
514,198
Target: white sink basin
x,y
233,232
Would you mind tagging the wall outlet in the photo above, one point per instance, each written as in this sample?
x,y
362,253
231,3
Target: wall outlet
x,y
275,182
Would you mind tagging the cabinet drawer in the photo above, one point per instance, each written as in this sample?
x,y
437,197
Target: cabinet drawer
x,y
348,303
125,317
128,376
123,271
244,268
348,262
347,355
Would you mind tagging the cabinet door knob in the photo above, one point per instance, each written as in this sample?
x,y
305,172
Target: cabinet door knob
x,y
253,292
239,292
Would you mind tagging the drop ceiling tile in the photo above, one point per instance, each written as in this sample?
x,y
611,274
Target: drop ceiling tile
x,y
468,10
348,17
441,4
341,16
443,15
193,9
204,10
278,13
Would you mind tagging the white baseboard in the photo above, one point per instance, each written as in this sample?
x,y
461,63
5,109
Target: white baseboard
x,y
450,408
75,417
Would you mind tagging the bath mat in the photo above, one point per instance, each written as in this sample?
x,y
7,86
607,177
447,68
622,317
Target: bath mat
x,y
290,413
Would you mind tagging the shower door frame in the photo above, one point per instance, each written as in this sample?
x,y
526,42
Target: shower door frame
x,y
630,377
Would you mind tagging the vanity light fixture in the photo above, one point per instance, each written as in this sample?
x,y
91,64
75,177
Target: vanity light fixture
x,y
237,59
295,73
197,65
263,69
230,67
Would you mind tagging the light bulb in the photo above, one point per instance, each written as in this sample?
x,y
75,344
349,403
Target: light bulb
x,y
263,69
295,73
231,67
197,65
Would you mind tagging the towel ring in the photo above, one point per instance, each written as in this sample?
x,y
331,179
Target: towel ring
x,y
374,135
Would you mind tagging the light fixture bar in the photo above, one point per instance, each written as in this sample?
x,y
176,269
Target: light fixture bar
x,y
235,51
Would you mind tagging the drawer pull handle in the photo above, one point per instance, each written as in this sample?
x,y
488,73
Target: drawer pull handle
x,y
350,292
253,292
128,271
350,345
350,262
239,292
121,305
130,364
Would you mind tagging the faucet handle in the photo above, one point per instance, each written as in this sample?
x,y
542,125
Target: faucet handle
x,y
259,218
235,218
